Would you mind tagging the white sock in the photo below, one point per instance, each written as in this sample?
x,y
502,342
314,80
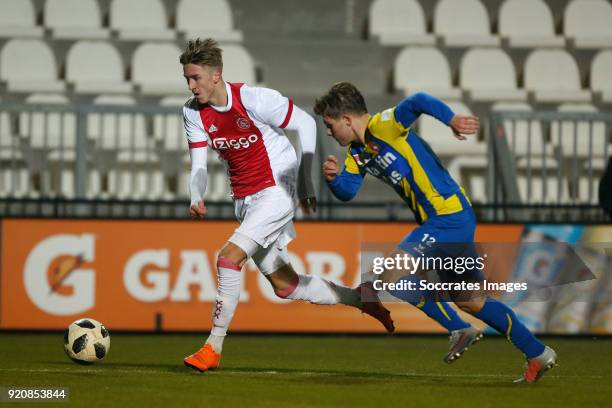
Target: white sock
x,y
226,301
315,289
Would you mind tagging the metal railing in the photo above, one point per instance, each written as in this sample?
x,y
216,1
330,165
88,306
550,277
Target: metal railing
x,y
133,162
542,162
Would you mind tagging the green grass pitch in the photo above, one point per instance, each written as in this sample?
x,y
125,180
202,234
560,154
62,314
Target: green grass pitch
x,y
300,371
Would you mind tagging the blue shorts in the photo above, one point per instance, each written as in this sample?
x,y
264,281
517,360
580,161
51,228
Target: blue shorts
x,y
447,236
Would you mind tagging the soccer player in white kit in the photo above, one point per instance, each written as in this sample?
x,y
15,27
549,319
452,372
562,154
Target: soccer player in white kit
x,y
244,125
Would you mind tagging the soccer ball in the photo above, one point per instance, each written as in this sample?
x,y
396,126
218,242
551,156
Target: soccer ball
x,y
86,341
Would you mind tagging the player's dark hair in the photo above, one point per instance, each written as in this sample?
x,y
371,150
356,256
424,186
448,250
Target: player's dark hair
x,y
202,52
342,98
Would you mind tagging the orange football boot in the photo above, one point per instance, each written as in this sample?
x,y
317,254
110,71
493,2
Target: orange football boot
x,y
204,359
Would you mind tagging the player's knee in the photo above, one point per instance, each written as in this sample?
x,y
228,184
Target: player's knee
x,y
284,282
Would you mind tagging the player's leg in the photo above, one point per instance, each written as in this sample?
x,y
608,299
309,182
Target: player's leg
x,y
230,260
273,262
415,244
500,317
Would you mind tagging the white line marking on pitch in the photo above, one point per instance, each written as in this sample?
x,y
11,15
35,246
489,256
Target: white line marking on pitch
x,y
105,370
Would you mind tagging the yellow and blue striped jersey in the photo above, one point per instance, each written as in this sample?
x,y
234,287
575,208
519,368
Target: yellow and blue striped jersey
x,y
397,155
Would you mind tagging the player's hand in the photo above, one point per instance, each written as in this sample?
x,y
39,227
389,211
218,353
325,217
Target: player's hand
x,y
309,205
330,168
198,210
464,125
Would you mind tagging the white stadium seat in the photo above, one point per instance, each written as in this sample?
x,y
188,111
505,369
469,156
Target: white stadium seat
x,y
238,65
168,128
528,24
424,69
163,77
206,18
51,141
28,65
48,130
471,172
601,77
542,189
583,133
140,20
96,67
523,137
589,23
558,84
74,19
124,155
489,75
463,23
399,22
17,19
442,139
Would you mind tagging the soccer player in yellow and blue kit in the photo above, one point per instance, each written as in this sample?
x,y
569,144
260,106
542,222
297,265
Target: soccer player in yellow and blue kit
x,y
385,146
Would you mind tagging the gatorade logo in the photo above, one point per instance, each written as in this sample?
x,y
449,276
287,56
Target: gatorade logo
x,y
53,277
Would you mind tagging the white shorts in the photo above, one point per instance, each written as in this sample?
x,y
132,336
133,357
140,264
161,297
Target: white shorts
x,y
266,217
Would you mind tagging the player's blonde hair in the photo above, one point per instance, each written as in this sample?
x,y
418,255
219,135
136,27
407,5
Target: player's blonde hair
x,y
202,52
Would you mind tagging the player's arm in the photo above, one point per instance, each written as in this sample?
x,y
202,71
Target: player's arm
x,y
279,111
344,185
198,142
306,129
408,111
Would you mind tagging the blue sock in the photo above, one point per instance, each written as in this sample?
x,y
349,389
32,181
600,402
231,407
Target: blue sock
x,y
441,312
502,318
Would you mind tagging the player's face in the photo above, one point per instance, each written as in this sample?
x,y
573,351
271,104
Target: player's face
x,y
340,129
201,81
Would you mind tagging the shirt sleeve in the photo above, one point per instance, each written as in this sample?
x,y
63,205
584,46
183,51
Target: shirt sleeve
x,y
268,105
196,135
408,110
346,185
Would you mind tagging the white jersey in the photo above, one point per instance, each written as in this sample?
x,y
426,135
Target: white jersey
x,y
248,135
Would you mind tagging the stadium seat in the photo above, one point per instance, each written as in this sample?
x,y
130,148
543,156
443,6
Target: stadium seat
x,y
524,137
163,77
13,171
539,187
28,65
583,138
140,20
168,129
171,147
424,69
463,24
74,19
123,154
488,74
561,84
588,190
589,23
238,65
601,79
17,19
471,173
49,141
206,18
95,67
528,24
442,139
399,22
